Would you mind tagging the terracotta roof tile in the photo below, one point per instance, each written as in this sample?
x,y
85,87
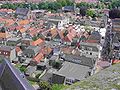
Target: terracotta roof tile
x,y
6,10
46,50
22,30
67,50
23,22
38,57
9,22
53,32
37,42
115,61
4,35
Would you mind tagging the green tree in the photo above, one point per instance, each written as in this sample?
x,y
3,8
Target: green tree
x,y
5,6
44,85
62,2
115,3
83,4
20,5
109,6
57,86
33,6
23,69
90,13
56,64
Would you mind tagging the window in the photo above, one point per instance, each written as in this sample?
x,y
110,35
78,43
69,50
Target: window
x,y
70,81
102,37
4,52
90,53
88,48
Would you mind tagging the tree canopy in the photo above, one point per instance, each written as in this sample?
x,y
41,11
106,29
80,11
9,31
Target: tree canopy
x,y
90,13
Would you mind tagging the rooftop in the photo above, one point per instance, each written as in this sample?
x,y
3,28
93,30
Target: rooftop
x,y
81,60
13,39
10,76
6,48
73,70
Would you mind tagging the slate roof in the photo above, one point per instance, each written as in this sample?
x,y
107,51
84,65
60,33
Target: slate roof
x,y
22,11
69,8
82,60
55,17
6,48
13,79
14,39
34,48
72,70
94,46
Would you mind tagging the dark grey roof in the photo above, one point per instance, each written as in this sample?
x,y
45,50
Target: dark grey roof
x,y
31,69
13,79
22,11
14,39
72,70
46,77
86,45
48,25
57,36
34,48
54,57
95,35
69,8
82,60
115,39
56,17
6,48
53,22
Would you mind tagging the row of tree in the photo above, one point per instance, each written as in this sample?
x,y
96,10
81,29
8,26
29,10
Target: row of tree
x,y
111,3
50,5
43,5
60,3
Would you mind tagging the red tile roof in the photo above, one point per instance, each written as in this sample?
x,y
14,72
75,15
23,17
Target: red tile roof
x,y
18,49
23,22
37,42
69,37
53,32
46,50
115,61
22,30
6,10
38,57
9,22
